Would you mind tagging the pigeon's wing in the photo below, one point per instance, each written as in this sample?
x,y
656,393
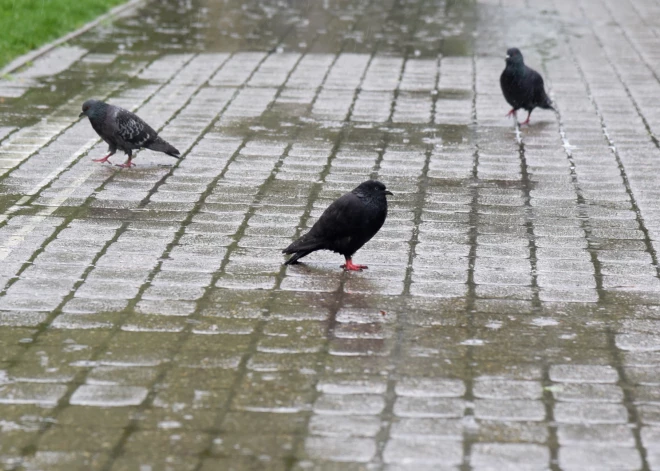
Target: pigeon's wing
x,y
342,218
537,88
132,130
338,223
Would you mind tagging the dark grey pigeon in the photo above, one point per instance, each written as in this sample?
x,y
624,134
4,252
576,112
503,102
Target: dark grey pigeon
x,y
522,87
124,131
346,225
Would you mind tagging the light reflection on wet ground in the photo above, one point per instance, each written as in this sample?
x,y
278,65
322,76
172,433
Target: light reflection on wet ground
x,y
509,316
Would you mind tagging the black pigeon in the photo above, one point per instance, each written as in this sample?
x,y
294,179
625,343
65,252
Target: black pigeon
x,y
522,87
346,225
124,131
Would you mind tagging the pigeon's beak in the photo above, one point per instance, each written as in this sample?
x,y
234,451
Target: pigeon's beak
x,y
81,114
507,56
388,192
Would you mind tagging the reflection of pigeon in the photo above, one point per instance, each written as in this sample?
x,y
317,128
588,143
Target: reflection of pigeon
x,y
522,86
346,225
123,130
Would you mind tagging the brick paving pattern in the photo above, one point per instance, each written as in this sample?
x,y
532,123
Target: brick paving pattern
x,y
510,318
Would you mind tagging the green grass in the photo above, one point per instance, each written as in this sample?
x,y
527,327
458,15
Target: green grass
x,y
27,24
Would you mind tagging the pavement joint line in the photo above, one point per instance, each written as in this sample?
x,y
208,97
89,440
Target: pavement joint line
x,y
212,184
387,415
527,186
298,445
585,223
258,330
73,385
422,185
25,230
549,403
57,201
640,221
18,238
629,403
611,141
115,86
53,176
628,400
188,330
470,308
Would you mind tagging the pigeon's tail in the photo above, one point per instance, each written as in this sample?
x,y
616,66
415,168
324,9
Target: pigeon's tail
x,y
297,256
547,104
160,145
300,248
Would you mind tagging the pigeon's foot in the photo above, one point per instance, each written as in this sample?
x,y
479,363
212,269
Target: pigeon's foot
x,y
103,160
127,164
526,122
511,113
350,266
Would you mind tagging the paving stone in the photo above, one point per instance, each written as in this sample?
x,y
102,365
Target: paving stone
x,y
509,456
108,395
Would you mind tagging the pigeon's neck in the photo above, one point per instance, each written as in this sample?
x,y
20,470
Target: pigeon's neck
x,y
99,111
517,68
371,199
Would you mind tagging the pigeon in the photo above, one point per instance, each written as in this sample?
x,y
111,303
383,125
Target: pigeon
x,y
124,131
346,225
522,87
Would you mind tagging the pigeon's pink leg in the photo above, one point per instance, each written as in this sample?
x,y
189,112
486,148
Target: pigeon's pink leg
x,y
104,159
527,120
350,266
127,164
511,113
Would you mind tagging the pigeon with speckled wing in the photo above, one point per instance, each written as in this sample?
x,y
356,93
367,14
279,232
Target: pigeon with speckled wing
x,y
124,131
346,225
522,86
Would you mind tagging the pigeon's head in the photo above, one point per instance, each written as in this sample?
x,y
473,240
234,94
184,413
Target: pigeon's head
x,y
92,108
372,188
514,56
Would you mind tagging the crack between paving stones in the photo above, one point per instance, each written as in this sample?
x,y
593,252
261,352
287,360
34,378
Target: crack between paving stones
x,y
49,211
470,307
628,398
80,377
581,200
187,332
116,87
527,186
633,201
387,415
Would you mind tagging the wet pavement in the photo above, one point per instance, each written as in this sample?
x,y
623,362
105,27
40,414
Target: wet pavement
x,y
510,317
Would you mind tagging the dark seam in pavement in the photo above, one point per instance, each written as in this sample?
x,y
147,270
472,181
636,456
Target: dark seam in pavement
x,y
636,208
387,415
549,404
338,299
471,296
187,332
652,136
628,397
114,89
527,186
79,209
44,326
633,415
583,214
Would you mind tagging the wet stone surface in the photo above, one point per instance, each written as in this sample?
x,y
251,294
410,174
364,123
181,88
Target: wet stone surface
x,y
510,317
